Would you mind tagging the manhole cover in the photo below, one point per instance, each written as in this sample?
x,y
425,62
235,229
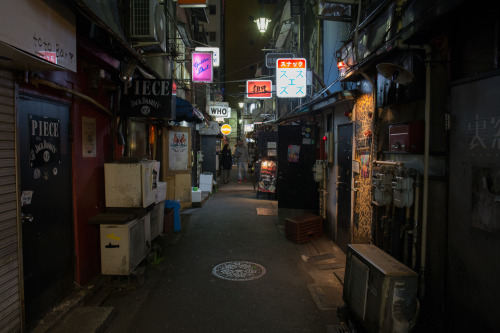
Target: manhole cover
x,y
239,271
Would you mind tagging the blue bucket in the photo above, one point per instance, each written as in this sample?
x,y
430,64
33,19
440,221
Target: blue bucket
x,y
176,206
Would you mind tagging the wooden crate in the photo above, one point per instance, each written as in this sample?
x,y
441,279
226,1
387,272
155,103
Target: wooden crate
x,y
304,228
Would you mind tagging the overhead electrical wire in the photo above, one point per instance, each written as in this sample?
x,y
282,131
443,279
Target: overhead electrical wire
x,y
366,59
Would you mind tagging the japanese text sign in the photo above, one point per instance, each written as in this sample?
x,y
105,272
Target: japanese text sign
x,y
291,78
259,88
202,67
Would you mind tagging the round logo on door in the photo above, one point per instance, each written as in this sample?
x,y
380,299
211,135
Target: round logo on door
x,y
225,129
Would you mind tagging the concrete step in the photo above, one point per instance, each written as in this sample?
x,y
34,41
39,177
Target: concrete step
x,y
85,319
71,302
99,297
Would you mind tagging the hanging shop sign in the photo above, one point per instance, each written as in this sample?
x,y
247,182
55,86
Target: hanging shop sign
x,y
45,141
215,53
291,78
219,110
259,89
272,57
147,98
202,67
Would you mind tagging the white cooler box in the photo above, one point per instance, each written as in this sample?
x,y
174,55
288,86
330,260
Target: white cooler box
x,y
206,180
196,196
157,215
123,246
131,184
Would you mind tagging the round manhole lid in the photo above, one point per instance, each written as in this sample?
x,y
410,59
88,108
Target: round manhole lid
x,y
239,271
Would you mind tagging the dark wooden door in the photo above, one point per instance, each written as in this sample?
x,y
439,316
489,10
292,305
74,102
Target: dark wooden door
x,y
296,187
46,201
344,176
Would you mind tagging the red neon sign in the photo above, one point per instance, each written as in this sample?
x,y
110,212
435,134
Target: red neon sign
x,y
259,88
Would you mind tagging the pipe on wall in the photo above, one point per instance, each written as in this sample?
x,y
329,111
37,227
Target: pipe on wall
x,y
392,163
427,113
39,81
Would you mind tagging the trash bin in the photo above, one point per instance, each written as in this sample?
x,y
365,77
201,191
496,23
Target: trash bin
x,y
176,206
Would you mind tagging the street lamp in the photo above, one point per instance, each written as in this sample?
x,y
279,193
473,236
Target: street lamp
x,y
262,24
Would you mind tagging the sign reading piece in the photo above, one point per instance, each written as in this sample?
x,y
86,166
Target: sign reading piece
x,y
147,98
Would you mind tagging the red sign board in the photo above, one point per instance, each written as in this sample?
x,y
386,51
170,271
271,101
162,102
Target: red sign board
x,y
259,89
49,56
292,63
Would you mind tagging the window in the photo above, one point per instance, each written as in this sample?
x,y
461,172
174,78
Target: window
x,y
213,37
212,9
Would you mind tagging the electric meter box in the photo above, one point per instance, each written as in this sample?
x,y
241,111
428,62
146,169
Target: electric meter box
x,y
407,137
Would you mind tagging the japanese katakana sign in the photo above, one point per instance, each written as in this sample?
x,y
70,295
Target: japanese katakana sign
x,y
291,78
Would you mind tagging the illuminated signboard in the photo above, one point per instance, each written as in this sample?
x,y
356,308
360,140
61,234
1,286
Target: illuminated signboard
x,y
291,78
202,67
259,88
215,52
219,110
226,129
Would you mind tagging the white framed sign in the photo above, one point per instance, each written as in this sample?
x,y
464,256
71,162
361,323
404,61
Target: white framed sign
x,y
215,52
219,110
291,78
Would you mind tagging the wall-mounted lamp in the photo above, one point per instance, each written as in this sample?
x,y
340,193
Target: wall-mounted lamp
x,y
262,24
341,64
126,73
241,104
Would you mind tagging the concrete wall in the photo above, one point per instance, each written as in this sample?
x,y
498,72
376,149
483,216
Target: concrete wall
x,y
474,206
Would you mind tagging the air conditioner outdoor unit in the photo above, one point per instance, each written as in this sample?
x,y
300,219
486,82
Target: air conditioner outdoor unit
x,y
379,291
148,25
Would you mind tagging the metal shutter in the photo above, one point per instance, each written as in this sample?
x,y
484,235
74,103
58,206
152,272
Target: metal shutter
x,y
10,286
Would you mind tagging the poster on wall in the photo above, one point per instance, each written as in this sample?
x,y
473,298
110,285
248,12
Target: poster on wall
x,y
45,141
293,153
485,213
365,165
267,180
178,149
88,137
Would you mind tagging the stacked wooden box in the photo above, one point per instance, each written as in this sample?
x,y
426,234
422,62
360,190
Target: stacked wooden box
x,y
304,228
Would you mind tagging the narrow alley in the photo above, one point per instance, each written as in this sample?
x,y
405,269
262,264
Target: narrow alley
x,y
298,288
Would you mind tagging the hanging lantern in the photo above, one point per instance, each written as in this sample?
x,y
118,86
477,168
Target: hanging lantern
x,y
262,24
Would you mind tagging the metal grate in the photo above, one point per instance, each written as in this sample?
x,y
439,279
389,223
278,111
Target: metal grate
x,y
141,17
358,286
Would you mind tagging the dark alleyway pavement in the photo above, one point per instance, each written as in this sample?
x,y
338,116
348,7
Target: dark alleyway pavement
x,y
299,292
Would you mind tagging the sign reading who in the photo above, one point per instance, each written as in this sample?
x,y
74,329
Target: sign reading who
x,y
219,110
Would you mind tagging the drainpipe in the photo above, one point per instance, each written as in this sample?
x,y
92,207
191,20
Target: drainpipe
x,y
325,191
427,50
36,81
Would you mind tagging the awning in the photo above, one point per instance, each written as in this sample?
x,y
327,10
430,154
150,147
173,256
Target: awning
x,y
185,111
315,108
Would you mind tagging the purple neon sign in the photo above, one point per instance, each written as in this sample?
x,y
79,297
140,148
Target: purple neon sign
x,y
202,67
